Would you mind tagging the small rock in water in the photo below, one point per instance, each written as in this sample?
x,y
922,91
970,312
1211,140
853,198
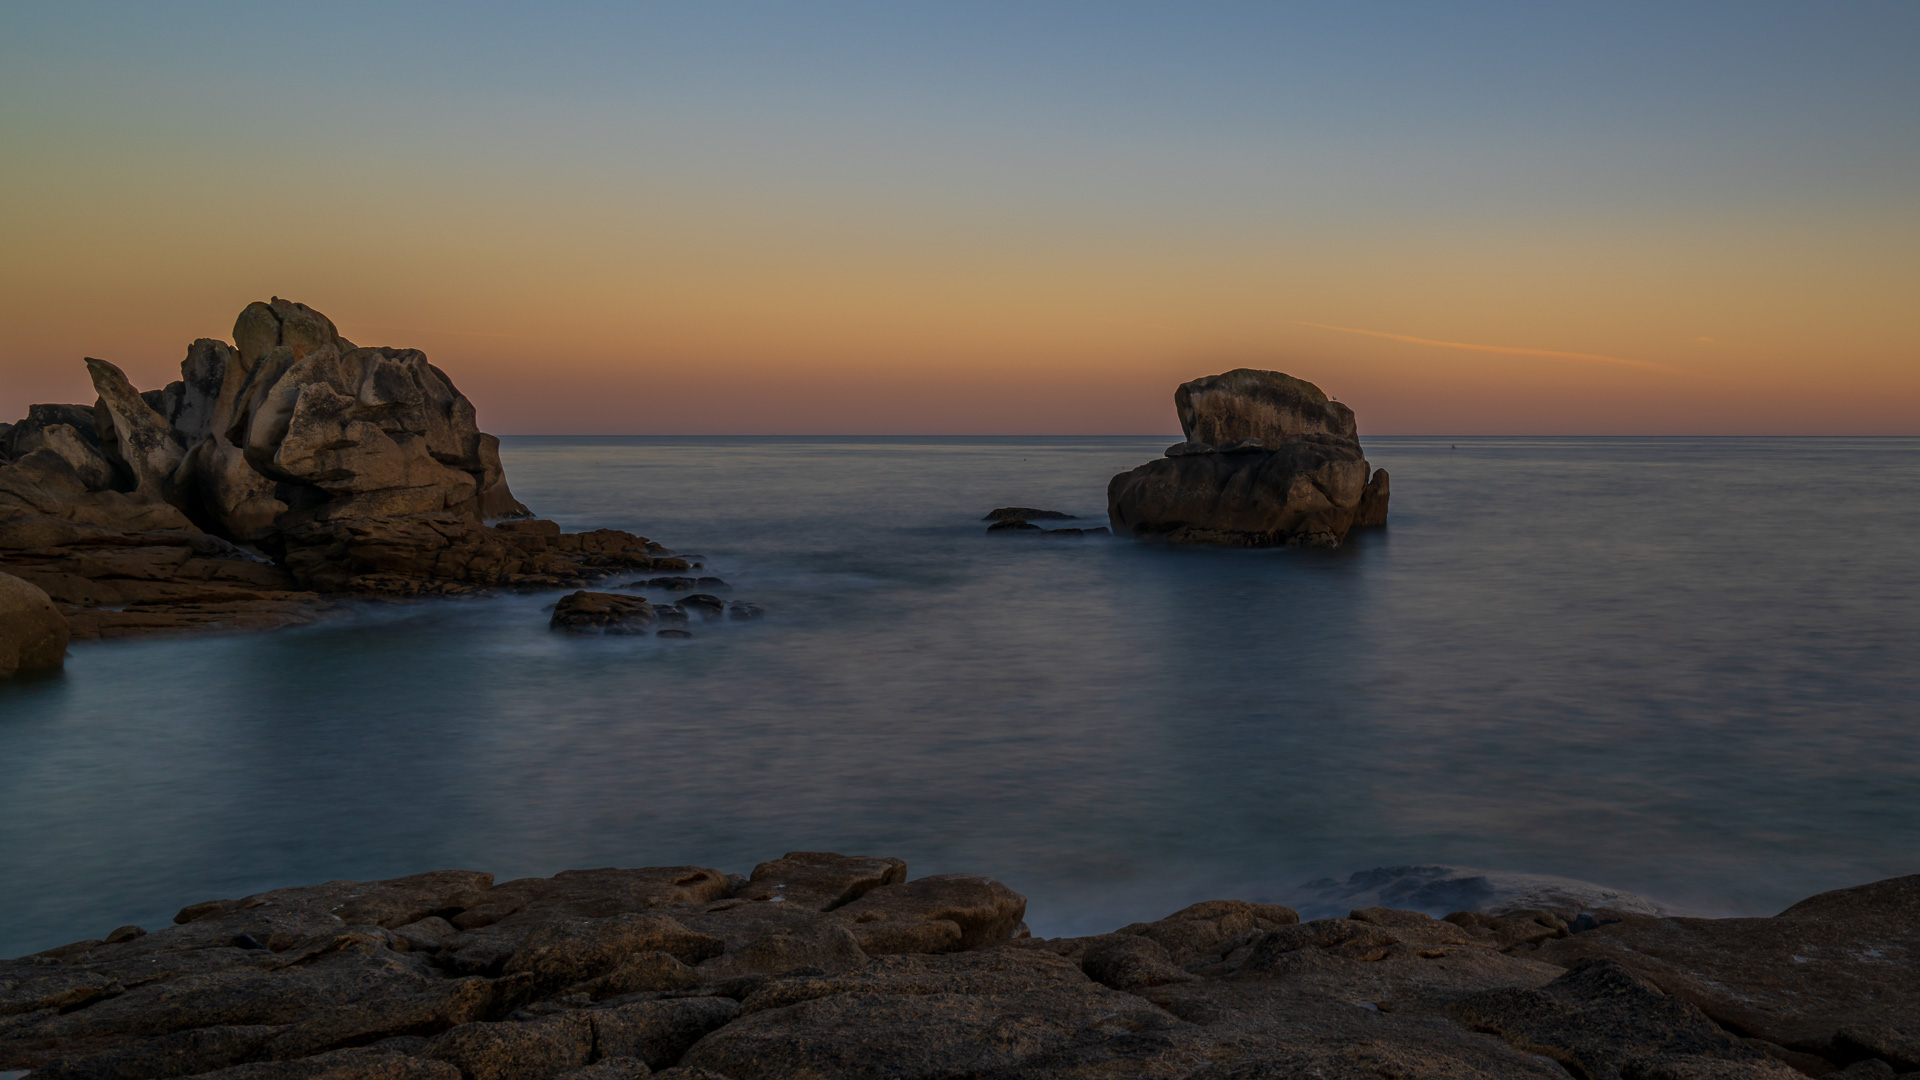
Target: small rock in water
x,y
1015,525
671,616
741,610
703,604
605,612
1078,532
1025,513
674,634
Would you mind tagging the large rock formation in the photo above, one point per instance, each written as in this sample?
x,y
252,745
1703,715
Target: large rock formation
x,y
1268,460
821,965
33,633
289,463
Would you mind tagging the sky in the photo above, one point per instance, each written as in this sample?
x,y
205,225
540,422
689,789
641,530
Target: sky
x,y
989,218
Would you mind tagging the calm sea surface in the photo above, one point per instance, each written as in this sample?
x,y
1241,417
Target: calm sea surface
x,y
1689,668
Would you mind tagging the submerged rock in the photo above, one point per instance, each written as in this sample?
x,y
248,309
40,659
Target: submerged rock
x,y
1025,513
823,965
1268,460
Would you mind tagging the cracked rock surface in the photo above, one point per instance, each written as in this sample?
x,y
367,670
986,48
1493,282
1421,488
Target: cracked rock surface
x,y
284,469
821,965
1268,460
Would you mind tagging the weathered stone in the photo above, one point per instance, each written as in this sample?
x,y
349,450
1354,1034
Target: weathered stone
x,y
1844,961
531,1050
1269,460
357,1064
1204,933
1024,513
593,893
141,440
1130,962
80,451
33,633
1599,1020
821,880
1004,1013
1303,493
625,1068
1438,889
606,612
940,913
658,1032
706,975
641,972
564,950
1269,406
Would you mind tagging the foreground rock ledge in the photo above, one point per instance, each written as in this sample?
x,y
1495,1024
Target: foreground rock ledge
x,y
822,965
287,467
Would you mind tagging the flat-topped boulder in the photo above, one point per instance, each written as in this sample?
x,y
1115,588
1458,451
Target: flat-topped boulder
x,y
822,965
1268,460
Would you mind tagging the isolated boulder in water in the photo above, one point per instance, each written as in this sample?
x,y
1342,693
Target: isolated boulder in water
x,y
1268,460
33,633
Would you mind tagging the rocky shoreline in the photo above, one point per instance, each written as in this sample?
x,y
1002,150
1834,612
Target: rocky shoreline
x,y
821,965
284,473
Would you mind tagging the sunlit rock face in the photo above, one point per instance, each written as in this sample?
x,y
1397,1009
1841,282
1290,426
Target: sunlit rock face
x,y
287,462
1268,460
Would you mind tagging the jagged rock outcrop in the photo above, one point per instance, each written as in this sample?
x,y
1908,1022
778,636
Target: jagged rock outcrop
x,y
1268,460
336,468
825,966
33,633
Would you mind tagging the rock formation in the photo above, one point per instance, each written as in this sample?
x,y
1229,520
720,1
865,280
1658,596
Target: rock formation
x,y
1268,460
821,965
289,464
33,633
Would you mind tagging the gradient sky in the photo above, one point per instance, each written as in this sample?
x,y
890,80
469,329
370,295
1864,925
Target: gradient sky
x,y
989,218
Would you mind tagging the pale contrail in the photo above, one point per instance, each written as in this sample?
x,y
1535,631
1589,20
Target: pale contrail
x,y
430,330
1590,358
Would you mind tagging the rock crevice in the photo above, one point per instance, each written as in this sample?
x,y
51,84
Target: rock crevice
x,y
280,472
825,966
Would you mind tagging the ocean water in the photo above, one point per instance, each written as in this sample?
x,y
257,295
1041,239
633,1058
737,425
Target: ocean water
x,y
1689,668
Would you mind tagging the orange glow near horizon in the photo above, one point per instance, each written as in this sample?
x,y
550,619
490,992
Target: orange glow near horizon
x,y
751,239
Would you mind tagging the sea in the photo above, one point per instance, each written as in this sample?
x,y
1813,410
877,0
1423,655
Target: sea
x,y
1688,668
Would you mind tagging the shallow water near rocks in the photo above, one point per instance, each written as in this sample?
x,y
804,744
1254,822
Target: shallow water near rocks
x,y
1687,668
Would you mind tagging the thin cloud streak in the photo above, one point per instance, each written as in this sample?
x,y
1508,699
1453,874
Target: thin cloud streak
x,y
430,330
1510,350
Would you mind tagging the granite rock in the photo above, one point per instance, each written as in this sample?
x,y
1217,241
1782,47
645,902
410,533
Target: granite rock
x,y
1268,460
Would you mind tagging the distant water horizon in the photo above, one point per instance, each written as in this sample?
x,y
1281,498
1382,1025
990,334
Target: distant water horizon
x,y
1685,667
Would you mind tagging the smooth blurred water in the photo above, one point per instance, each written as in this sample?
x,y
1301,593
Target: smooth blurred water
x,y
1685,667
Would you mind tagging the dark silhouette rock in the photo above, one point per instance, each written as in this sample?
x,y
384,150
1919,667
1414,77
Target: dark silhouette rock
x,y
825,965
606,612
1836,975
33,633
1269,460
1025,513
1012,525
